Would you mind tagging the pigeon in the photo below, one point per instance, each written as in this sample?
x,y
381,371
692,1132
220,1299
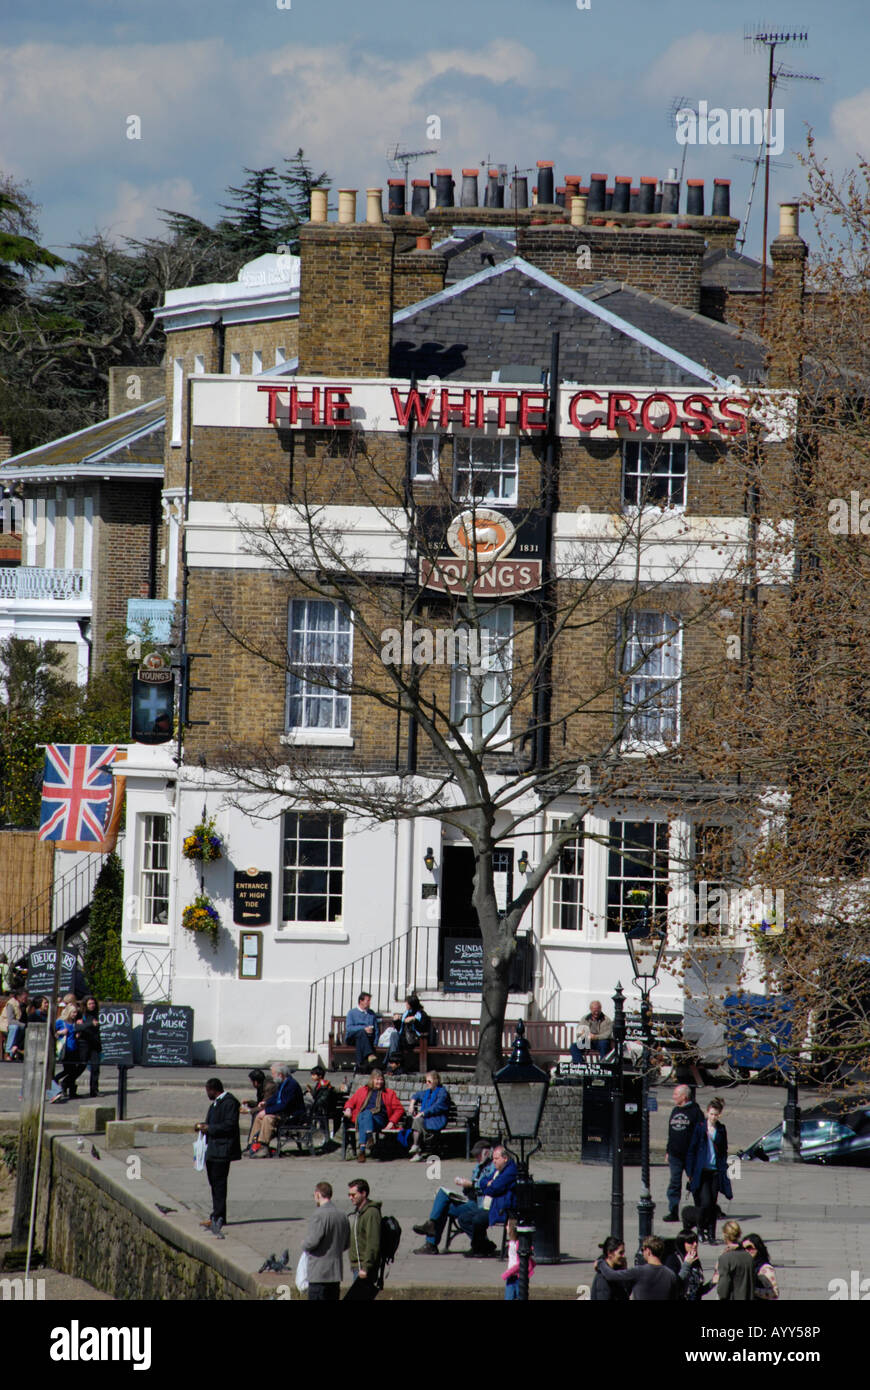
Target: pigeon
x,y
95,1153
271,1263
166,1210
285,1260
80,1144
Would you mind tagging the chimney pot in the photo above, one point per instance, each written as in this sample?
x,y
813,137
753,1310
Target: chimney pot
x,y
347,205
444,188
374,205
788,219
560,196
695,197
520,192
419,197
578,210
468,197
396,191
721,197
621,193
647,195
319,204
424,243
597,183
671,193
545,181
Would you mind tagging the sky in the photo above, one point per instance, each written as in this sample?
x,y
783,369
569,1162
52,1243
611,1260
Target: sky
x,y
218,85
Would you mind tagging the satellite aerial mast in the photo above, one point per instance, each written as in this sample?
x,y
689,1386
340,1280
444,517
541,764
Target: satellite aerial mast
x,y
400,160
762,37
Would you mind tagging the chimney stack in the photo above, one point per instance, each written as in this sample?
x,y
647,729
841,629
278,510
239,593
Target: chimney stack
x,y
785,320
346,292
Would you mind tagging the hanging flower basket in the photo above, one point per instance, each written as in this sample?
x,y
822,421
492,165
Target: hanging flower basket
x,y
201,916
203,843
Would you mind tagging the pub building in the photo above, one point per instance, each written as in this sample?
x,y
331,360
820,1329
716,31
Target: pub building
x,y
424,342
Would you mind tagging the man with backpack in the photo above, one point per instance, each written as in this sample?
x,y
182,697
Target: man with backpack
x,y
374,1240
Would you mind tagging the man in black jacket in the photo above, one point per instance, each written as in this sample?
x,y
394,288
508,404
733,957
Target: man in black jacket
x,y
221,1127
685,1115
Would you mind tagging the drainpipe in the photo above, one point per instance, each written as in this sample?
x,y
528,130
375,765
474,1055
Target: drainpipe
x,y
544,625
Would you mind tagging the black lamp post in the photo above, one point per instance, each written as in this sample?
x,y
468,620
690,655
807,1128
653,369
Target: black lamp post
x,y
617,1118
521,1089
646,946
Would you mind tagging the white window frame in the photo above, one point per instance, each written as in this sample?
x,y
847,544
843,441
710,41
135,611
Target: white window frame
x,y
497,669
235,364
677,451
662,650
507,474
660,883
553,927
420,474
256,361
334,865
310,690
146,872
280,356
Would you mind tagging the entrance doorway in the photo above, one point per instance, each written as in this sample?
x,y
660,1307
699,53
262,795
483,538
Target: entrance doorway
x,y
459,922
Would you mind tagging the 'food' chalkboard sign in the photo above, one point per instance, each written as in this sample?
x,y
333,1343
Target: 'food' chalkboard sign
x,y
116,1035
167,1036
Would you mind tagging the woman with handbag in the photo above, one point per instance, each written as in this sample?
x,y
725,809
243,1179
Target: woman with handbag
x,y
766,1287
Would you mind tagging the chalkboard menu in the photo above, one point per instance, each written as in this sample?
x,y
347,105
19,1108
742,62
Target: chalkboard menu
x,y
463,966
167,1036
116,1035
252,898
40,971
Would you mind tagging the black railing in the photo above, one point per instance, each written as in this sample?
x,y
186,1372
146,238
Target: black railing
x,y
387,973
65,903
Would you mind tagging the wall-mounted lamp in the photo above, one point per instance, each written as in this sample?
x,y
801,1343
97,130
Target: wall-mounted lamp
x,y
523,862
429,859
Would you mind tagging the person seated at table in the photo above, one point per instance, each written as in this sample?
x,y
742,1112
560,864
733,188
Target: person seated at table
x,y
286,1103
429,1116
446,1201
593,1035
498,1194
373,1107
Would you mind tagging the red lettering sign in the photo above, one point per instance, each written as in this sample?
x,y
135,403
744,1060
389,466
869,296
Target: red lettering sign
x,y
414,405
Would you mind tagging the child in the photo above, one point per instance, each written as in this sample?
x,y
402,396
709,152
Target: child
x,y
511,1275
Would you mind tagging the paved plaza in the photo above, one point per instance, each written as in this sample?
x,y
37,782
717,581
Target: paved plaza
x,y
816,1220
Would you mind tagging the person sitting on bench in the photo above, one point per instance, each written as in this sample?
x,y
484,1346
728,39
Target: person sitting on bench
x,y
498,1195
360,1031
287,1103
374,1108
447,1202
594,1034
431,1108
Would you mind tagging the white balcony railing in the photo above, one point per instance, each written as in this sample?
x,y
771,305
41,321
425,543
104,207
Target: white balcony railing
x,y
33,583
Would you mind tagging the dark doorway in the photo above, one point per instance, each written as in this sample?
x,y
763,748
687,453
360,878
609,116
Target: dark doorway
x,y
459,920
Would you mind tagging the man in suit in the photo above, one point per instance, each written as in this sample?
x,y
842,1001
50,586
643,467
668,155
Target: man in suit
x,y
326,1239
223,1147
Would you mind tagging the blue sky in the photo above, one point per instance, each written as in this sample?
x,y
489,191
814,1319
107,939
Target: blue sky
x,y
219,84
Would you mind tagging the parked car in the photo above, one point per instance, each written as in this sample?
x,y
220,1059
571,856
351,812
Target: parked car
x,y
828,1135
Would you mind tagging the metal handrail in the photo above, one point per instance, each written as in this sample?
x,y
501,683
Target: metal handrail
x,y
53,908
404,963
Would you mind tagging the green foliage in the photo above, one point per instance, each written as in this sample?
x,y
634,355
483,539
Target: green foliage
x,y
38,705
103,963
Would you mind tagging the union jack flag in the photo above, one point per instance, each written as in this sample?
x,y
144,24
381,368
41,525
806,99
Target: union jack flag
x,y
77,792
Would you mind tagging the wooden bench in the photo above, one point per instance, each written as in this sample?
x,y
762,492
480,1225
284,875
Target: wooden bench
x,y
456,1041
463,1117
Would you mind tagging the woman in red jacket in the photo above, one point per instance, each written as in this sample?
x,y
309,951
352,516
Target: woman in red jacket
x,y
374,1108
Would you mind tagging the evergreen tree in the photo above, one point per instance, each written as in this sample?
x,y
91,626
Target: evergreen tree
x,y
103,962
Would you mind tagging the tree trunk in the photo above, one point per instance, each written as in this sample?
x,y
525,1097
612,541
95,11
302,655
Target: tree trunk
x,y
498,935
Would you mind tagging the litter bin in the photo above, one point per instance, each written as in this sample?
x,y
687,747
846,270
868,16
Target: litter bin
x,y
596,1128
546,1215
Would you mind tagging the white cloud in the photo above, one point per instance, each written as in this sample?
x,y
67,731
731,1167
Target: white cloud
x,y
135,211
850,126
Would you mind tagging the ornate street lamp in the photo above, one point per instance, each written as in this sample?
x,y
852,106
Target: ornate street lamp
x,y
646,943
521,1089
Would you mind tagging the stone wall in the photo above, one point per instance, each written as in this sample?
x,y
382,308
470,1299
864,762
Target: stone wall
x,y
560,1127
102,1230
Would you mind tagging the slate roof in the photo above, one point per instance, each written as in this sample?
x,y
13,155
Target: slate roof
x,y
131,442
731,270
610,333
469,252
